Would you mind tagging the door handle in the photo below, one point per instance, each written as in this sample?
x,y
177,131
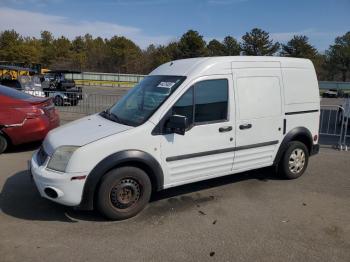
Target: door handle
x,y
246,126
225,129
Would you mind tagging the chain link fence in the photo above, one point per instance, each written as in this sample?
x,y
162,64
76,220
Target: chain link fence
x,y
82,103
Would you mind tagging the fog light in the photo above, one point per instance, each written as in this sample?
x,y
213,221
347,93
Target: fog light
x,y
50,192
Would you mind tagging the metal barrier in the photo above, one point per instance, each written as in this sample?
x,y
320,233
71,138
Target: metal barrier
x,y
344,144
82,103
334,123
346,115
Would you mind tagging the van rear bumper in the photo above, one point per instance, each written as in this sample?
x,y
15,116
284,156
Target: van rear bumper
x,y
315,149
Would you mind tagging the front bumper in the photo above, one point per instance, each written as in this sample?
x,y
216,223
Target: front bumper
x,y
69,192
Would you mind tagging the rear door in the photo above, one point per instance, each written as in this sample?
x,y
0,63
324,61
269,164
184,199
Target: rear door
x,y
259,105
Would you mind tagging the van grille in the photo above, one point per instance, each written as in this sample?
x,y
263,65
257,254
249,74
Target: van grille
x,y
41,156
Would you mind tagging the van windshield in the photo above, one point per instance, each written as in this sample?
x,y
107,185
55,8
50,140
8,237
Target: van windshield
x,y
139,104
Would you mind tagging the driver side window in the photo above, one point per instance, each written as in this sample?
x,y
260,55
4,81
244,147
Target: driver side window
x,y
205,102
184,106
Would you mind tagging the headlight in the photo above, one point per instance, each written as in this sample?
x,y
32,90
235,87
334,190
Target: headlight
x,y
60,158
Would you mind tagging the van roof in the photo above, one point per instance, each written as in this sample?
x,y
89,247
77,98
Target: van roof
x,y
190,66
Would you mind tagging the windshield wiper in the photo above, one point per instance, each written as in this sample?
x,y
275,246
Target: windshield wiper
x,y
115,117
111,116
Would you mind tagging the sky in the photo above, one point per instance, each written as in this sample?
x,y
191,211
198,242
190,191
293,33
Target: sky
x,y
162,21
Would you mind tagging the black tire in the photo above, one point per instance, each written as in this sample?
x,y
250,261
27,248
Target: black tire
x,y
58,101
74,102
123,193
285,168
3,144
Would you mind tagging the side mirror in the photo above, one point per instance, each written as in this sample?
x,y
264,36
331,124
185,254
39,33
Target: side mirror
x,y
177,124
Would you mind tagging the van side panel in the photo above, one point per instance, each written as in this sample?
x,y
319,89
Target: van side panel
x,y
302,101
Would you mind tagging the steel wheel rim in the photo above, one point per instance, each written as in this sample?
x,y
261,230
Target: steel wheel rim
x,y
126,193
297,161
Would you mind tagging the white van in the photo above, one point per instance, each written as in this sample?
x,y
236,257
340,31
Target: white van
x,y
189,120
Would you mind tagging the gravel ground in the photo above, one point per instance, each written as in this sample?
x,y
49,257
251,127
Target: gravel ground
x,y
244,217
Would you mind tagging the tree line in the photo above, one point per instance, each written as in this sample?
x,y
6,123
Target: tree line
x,y
121,55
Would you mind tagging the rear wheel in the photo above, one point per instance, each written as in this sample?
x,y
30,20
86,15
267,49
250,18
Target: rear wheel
x,y
3,143
58,101
123,193
294,161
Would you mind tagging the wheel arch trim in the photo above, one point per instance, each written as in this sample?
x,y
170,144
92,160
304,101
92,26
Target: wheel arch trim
x,y
296,132
128,157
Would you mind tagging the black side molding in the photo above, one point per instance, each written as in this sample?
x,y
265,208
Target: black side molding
x,y
220,151
134,157
301,112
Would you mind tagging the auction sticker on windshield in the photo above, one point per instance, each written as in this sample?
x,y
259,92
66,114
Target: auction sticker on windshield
x,y
166,84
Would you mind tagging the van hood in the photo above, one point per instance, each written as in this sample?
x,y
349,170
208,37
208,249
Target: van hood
x,y
82,132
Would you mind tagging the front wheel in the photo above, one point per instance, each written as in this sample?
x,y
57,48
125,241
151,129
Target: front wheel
x,y
3,144
294,161
123,193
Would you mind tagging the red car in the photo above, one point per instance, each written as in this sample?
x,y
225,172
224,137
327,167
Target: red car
x,y
24,118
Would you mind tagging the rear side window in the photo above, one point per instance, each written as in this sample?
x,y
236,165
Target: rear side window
x,y
205,102
10,92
